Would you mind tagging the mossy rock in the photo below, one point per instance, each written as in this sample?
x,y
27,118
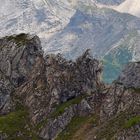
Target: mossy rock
x,y
20,39
120,122
61,108
78,126
16,125
75,124
137,90
132,121
13,122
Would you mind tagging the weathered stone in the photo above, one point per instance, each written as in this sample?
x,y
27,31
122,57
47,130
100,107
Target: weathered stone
x,y
129,134
117,100
42,84
5,101
130,77
69,79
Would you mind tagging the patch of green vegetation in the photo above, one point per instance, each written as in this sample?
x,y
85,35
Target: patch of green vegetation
x,y
24,137
13,122
109,129
137,90
41,124
20,39
75,124
132,121
121,121
61,108
134,90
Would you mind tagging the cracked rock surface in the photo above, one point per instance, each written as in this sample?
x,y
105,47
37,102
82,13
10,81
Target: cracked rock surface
x,y
49,97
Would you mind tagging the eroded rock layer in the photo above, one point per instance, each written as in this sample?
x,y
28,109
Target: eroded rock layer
x,y
49,97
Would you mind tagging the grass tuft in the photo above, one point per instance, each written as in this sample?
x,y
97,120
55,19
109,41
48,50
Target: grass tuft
x,y
72,127
20,39
132,121
61,108
13,122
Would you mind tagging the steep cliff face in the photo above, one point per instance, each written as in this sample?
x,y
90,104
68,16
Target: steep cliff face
x,y
18,59
41,84
111,2
69,79
49,97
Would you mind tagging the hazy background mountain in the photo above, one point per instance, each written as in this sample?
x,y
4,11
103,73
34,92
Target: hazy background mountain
x,y
110,28
110,2
130,6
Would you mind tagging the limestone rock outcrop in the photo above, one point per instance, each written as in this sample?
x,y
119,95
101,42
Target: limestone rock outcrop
x,y
41,84
49,97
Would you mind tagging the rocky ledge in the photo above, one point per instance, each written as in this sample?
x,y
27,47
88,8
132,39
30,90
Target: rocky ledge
x,y
49,97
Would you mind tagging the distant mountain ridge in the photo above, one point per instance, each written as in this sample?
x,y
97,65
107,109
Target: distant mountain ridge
x,y
110,2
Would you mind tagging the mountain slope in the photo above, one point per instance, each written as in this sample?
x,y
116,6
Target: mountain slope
x,y
105,32
33,16
51,98
131,7
97,29
127,50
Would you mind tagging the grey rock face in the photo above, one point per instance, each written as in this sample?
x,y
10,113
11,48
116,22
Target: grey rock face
x,y
57,125
18,57
5,100
118,100
5,90
69,79
18,65
131,134
130,76
42,85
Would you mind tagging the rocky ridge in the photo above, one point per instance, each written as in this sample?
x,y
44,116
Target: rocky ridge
x,y
49,97
70,27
